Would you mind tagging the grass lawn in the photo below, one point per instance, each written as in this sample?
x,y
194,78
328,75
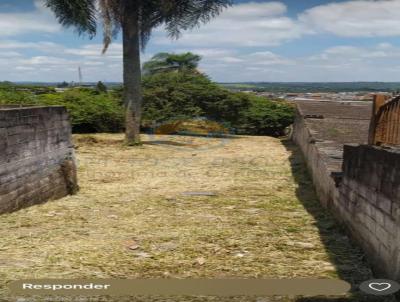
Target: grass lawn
x,y
136,216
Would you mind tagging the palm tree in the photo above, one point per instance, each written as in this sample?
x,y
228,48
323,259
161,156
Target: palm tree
x,y
135,19
164,61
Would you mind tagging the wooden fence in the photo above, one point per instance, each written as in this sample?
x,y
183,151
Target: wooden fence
x,y
385,122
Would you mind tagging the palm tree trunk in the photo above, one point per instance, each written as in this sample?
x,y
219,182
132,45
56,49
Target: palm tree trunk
x,y
132,77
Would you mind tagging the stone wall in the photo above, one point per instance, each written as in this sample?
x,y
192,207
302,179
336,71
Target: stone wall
x,y
360,186
36,156
369,202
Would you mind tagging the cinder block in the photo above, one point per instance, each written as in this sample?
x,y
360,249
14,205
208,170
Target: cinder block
x,y
385,257
396,213
369,223
375,244
384,204
379,217
391,226
34,143
384,237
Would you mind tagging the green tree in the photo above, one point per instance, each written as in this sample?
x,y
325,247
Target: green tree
x,y
173,96
135,19
100,87
63,85
265,117
164,62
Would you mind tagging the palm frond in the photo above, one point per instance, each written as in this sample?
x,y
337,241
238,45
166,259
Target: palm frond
x,y
80,14
176,15
110,13
187,14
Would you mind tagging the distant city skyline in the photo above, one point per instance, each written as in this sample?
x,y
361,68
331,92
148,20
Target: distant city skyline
x,y
266,41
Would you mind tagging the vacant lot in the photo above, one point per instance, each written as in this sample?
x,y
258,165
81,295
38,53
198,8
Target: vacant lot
x,y
181,207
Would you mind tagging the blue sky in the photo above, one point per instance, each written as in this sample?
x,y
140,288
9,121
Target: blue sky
x,y
292,40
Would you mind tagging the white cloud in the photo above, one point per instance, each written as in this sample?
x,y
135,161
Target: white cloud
x,y
349,63
361,54
242,25
10,54
254,10
93,63
40,20
54,62
208,52
340,63
94,51
251,24
236,66
266,24
46,61
40,45
364,18
268,58
384,45
231,60
236,46
24,68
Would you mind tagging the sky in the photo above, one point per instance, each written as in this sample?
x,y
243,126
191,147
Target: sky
x,y
259,41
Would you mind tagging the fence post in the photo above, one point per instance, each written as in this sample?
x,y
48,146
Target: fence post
x,y
378,101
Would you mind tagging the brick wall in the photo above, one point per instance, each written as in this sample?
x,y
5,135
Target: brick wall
x,y
370,194
36,156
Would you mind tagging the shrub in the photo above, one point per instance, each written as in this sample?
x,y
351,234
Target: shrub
x,y
266,117
172,96
90,111
169,98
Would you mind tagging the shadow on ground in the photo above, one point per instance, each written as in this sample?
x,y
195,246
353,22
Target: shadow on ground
x,y
168,143
187,140
348,258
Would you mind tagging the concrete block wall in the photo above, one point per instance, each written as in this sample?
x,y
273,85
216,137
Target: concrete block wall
x,y
317,166
370,194
36,156
366,200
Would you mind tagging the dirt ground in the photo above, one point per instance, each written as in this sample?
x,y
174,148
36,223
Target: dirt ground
x,y
182,207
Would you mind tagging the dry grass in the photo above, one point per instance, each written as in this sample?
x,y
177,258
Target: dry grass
x,y
131,220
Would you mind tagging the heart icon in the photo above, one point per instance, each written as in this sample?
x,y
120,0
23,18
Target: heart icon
x,y
380,287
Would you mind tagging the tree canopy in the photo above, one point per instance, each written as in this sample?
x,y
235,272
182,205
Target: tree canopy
x,y
175,15
173,96
164,62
